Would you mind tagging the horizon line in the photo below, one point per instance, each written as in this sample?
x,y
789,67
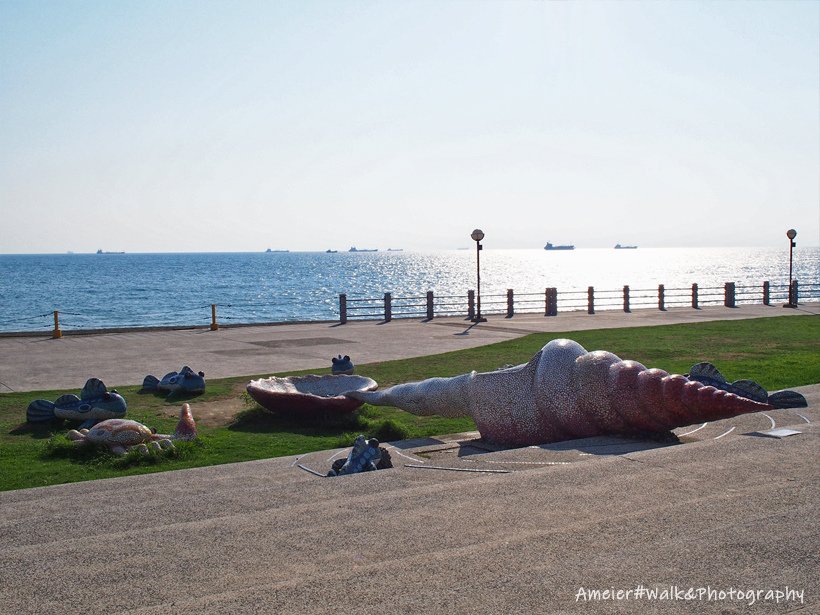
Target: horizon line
x,y
385,250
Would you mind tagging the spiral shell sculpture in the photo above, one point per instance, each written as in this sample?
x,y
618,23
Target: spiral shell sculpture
x,y
565,392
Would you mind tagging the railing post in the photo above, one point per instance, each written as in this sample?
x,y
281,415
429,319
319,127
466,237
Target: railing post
x,y
590,300
470,304
56,334
551,301
510,308
694,296
661,298
429,305
793,293
729,294
766,300
214,325
343,308
388,307
626,299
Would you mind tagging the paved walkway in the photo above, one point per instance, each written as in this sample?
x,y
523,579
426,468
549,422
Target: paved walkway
x,y
39,362
731,510
728,514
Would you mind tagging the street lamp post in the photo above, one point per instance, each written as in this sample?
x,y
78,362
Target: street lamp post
x,y
791,234
477,235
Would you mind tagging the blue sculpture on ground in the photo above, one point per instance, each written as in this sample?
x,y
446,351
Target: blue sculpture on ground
x,y
95,403
708,374
186,380
341,365
365,456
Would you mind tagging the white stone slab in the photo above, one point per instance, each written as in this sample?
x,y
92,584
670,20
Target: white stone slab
x,y
780,432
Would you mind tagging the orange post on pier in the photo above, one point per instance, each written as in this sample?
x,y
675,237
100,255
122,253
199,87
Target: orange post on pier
x,y
56,334
214,325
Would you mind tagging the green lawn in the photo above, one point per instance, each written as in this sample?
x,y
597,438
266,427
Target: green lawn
x,y
777,352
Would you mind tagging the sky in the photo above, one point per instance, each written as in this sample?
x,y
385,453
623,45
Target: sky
x,y
213,126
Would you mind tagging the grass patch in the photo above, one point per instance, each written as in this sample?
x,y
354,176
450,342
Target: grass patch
x,y
779,352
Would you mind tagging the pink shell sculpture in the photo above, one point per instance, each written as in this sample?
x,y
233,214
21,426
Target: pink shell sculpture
x,y
565,392
309,394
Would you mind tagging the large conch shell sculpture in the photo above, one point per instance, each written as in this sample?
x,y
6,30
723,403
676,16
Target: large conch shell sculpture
x,y
565,392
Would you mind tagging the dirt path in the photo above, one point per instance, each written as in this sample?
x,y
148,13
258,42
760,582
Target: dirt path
x,y
216,413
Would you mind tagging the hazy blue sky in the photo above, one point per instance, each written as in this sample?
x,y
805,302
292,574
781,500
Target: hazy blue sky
x,y
306,125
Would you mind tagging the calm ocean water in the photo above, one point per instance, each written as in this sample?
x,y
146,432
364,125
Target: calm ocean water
x,y
124,290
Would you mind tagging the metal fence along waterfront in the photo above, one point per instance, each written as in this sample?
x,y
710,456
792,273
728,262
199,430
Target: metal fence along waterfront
x,y
552,301
548,302
129,291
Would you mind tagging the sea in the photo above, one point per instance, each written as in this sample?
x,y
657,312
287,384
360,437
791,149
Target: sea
x,y
122,290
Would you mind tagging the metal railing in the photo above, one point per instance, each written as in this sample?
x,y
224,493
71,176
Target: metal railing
x,y
549,303
552,301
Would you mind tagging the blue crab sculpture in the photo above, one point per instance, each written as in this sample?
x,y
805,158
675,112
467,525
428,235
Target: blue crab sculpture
x,y
363,457
185,380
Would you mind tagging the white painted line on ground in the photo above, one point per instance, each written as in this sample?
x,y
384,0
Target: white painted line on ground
x,y
295,461
725,434
803,417
694,430
398,452
337,453
407,465
529,463
770,418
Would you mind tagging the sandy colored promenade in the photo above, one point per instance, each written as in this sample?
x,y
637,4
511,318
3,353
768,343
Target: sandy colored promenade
x,y
724,523
38,362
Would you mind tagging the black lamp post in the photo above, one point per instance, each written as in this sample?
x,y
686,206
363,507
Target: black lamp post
x,y
477,235
791,234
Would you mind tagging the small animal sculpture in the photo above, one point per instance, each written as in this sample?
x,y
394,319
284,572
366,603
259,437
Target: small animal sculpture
x,y
363,457
565,392
341,365
121,435
709,374
94,404
186,380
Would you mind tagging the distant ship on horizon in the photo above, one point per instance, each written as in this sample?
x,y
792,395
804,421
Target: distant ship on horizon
x,y
550,246
102,252
354,249
620,247
269,250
